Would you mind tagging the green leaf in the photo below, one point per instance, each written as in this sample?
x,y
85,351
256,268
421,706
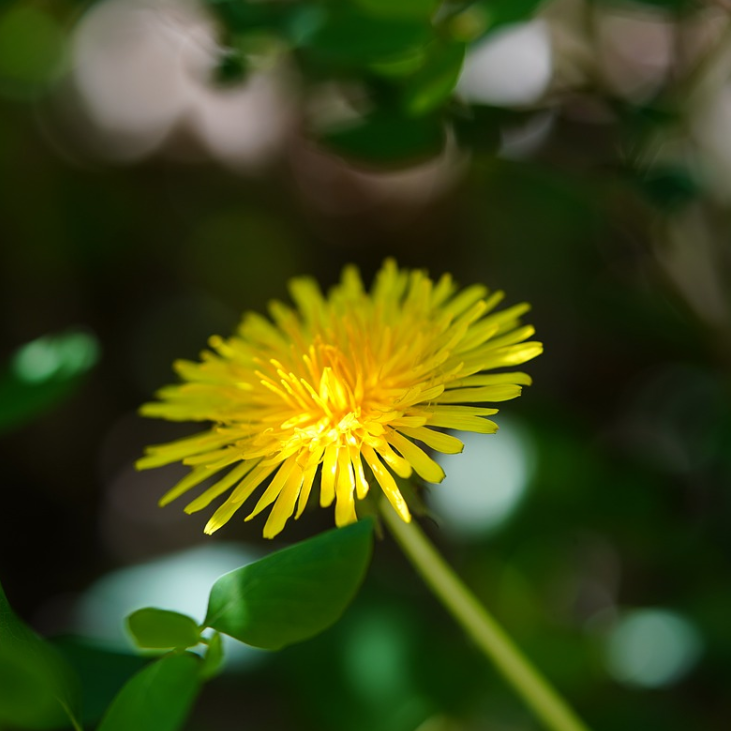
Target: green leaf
x,y
293,21
38,690
386,138
400,9
162,629
213,659
433,84
295,593
42,373
102,672
240,16
349,37
158,698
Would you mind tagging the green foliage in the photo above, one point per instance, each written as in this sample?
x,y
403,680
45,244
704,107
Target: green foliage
x,y
431,86
42,373
295,593
349,36
31,43
422,9
162,629
158,698
38,690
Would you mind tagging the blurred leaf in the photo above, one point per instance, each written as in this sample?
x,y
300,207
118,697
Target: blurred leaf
x,y
42,373
386,138
295,593
158,698
293,21
240,16
162,629
350,37
668,187
400,9
102,672
31,42
213,659
38,690
433,84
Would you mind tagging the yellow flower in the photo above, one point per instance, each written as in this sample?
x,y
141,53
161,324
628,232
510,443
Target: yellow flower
x,y
349,385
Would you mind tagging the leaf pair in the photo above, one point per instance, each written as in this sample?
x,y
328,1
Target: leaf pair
x,y
287,597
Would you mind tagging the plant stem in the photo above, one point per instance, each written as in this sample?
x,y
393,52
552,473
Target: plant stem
x,y
535,690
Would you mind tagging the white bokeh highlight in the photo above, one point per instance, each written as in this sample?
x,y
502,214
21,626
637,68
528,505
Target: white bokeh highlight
x,y
652,648
144,71
485,484
510,67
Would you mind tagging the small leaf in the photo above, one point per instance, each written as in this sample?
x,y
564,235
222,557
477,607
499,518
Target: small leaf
x,y
213,659
162,629
295,593
42,373
433,84
385,138
158,698
38,690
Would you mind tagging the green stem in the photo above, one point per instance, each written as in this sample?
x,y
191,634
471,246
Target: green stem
x,y
535,690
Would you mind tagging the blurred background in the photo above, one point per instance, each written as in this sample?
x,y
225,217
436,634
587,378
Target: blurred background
x,y
166,165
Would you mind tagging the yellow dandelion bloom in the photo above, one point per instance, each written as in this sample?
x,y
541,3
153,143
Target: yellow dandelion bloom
x,y
353,386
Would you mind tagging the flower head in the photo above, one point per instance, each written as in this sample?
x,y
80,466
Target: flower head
x,y
353,387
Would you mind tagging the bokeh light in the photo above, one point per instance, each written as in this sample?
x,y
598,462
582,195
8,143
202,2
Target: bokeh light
x,y
485,484
651,648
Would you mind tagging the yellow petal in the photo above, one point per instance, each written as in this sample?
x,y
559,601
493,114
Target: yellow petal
x,y
242,491
163,454
361,483
479,395
445,443
345,505
307,480
193,478
327,476
387,483
424,465
284,507
276,485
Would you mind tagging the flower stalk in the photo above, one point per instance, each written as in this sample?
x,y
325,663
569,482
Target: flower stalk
x,y
534,689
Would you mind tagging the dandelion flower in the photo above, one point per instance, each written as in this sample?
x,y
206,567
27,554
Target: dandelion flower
x,y
355,387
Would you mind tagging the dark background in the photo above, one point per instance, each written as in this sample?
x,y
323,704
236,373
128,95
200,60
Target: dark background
x,y
621,250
